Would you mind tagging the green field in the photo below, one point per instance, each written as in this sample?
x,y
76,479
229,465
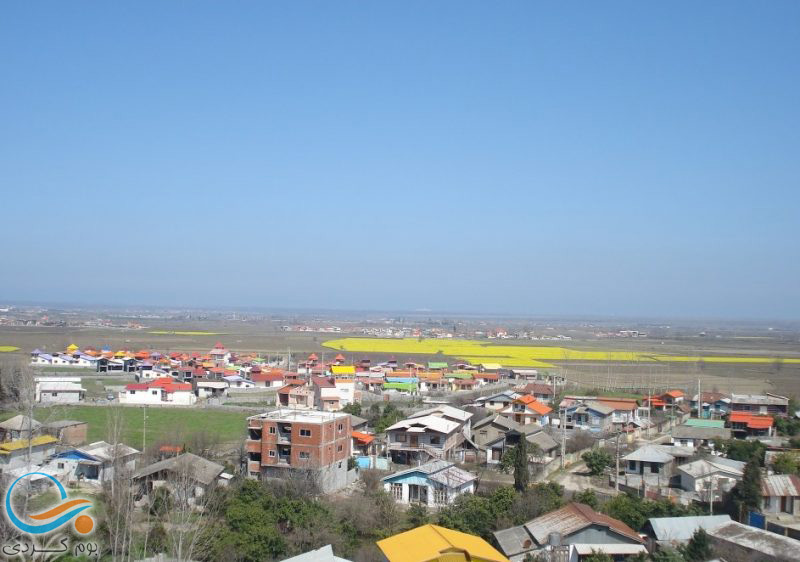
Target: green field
x,y
163,424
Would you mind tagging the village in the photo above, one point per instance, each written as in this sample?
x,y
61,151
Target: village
x,y
438,431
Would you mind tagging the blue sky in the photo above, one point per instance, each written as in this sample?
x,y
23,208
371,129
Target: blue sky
x,y
623,158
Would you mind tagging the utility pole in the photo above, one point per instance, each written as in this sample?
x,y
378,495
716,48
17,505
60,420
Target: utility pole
x,y
616,476
144,428
563,421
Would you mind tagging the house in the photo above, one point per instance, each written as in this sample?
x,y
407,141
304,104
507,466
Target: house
x,y
781,494
422,437
59,390
576,525
363,443
744,424
283,442
538,440
219,354
664,402
712,404
68,432
497,402
760,404
14,454
490,428
650,461
526,410
696,436
94,463
268,379
735,542
18,427
186,476
324,554
711,475
332,394
587,415
676,531
161,392
210,389
434,484
542,392
238,381
450,413
296,395
431,543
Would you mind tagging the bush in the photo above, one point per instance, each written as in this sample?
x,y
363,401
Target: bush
x,y
597,460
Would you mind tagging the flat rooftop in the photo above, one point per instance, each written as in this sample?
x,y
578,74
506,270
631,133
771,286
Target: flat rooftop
x,y
304,416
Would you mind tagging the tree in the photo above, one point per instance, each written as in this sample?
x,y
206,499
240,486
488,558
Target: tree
x,y
746,495
740,450
785,463
354,408
522,475
597,460
417,515
508,461
587,497
698,549
667,554
598,556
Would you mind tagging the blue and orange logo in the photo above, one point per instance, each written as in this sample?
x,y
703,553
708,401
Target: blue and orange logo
x,y
55,517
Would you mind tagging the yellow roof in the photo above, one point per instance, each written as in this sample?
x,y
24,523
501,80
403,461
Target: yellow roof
x,y
431,543
72,347
343,369
6,448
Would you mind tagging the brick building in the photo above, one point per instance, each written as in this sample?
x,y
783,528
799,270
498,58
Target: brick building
x,y
284,441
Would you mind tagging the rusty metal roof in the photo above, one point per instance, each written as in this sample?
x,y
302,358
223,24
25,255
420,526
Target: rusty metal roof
x,y
781,485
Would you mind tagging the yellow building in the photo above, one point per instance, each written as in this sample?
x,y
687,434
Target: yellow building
x,y
72,348
431,543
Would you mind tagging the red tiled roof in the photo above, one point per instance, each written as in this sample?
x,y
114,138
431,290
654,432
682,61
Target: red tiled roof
x,y
323,382
752,421
178,387
266,377
674,393
534,404
363,438
140,386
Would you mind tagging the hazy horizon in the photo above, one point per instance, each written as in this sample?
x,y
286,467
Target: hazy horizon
x,y
626,160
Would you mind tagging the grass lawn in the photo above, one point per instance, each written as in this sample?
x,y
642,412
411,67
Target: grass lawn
x,y
163,424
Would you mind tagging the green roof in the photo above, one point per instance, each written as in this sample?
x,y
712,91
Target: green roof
x,y
437,365
458,375
697,422
407,386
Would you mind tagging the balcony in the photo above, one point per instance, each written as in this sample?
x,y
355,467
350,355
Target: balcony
x,y
252,446
253,467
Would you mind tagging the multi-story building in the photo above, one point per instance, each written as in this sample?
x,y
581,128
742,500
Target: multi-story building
x,y
285,441
772,404
435,433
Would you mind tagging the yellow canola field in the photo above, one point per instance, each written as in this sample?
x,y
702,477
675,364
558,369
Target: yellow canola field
x,y
8,348
520,355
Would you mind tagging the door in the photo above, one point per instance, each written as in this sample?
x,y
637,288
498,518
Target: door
x,y
414,440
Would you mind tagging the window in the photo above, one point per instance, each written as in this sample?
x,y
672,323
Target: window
x,y
440,496
61,465
434,439
340,448
401,437
272,453
55,394
654,467
341,426
304,456
132,391
484,432
397,491
631,465
305,433
272,429
153,392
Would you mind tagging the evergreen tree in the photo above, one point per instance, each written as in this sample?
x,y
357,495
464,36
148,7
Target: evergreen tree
x,y
522,475
750,494
698,549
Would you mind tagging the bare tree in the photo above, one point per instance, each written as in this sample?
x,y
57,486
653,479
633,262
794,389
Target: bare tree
x,y
118,494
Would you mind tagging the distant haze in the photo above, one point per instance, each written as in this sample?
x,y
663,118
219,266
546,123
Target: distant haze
x,y
632,159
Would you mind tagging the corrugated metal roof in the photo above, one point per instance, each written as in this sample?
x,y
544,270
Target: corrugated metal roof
x,y
574,517
682,528
781,485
